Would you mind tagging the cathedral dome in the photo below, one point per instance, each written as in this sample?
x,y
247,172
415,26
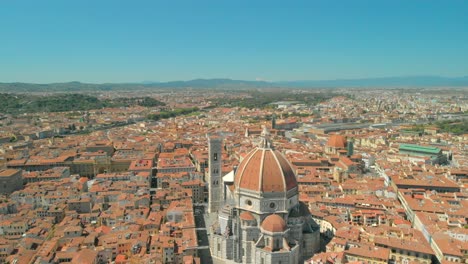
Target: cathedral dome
x,y
265,170
274,224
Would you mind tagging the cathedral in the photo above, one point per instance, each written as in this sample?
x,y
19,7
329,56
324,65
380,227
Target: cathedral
x,y
259,216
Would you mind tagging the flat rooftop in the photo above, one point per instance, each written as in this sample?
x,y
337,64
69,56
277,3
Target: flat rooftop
x,y
8,172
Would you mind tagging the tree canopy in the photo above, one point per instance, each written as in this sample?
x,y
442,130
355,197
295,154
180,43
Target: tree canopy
x,y
20,103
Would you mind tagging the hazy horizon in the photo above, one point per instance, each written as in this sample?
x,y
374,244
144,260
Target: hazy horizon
x,y
246,80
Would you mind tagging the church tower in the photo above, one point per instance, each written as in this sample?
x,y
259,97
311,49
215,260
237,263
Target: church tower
x,y
273,121
214,173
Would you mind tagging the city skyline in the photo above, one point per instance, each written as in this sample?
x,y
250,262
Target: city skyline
x,y
219,132
114,42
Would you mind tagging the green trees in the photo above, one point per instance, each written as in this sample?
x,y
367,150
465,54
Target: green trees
x,y
453,126
263,99
173,113
457,127
21,103
133,101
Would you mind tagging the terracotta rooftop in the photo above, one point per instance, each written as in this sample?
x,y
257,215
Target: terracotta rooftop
x,y
7,172
246,216
336,141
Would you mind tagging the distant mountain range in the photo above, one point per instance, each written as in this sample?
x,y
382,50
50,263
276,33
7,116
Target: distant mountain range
x,y
396,82
407,81
211,83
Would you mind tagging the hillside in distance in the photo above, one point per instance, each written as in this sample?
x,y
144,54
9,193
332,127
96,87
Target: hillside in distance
x,y
19,87
397,82
26,103
229,84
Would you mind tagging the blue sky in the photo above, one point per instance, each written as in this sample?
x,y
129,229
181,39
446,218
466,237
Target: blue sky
x,y
132,41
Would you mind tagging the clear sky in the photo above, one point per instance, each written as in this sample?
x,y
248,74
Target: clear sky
x,y
131,41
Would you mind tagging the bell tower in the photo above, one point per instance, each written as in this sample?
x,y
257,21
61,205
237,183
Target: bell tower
x,y
214,173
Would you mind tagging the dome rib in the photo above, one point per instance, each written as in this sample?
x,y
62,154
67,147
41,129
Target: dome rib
x,y
282,173
289,177
260,178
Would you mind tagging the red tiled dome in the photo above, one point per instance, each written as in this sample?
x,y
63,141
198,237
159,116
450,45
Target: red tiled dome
x,y
336,141
265,170
246,216
274,223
